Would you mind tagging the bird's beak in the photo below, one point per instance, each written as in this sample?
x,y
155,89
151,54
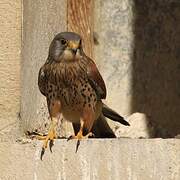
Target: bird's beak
x,y
73,46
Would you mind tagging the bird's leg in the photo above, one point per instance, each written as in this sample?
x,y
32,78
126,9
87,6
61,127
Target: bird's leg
x,y
36,135
51,133
86,122
49,137
80,135
54,110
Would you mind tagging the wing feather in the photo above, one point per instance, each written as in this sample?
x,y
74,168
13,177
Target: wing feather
x,y
96,80
42,80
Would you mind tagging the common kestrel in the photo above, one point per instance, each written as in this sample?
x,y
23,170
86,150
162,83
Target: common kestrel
x,y
74,88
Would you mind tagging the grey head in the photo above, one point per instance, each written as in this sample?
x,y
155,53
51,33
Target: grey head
x,y
66,46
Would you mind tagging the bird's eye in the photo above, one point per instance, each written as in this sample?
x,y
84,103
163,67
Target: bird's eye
x,y
63,41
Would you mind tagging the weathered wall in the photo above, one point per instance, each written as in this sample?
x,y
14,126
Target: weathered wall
x,y
156,64
151,88
40,24
113,26
10,49
138,56
95,160
42,20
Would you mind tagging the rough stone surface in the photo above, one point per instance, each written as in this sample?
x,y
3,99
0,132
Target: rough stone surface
x,y
140,127
10,49
156,66
42,20
138,56
113,25
96,159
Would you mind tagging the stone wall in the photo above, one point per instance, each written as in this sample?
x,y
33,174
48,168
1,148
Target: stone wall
x,y
137,53
138,56
156,64
10,52
140,159
42,20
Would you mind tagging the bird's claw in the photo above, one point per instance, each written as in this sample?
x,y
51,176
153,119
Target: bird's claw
x,y
70,137
77,145
80,136
47,138
36,135
51,144
42,152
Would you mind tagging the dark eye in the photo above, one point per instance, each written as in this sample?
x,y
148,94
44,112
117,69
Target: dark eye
x,y
63,41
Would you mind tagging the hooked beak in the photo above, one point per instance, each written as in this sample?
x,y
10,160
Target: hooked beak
x,y
73,46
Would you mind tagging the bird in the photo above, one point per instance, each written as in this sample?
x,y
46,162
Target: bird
x,y
74,88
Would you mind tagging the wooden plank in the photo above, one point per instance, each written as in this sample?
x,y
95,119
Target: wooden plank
x,y
80,20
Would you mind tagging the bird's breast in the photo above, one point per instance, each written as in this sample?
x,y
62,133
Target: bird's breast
x,y
65,74
75,98
73,89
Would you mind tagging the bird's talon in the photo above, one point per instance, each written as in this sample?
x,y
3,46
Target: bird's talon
x,y
42,152
36,135
79,137
51,144
49,138
70,137
77,145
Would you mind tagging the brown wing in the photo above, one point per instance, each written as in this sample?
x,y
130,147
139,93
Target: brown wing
x,y
42,80
96,80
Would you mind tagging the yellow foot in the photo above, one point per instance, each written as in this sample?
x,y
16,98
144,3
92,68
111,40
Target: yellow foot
x,y
47,138
35,135
79,137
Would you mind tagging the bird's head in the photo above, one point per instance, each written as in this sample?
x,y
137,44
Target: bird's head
x,y
66,46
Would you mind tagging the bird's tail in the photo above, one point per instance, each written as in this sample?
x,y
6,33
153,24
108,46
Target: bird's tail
x,y
111,114
101,128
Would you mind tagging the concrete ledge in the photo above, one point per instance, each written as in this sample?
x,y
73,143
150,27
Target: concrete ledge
x,y
137,159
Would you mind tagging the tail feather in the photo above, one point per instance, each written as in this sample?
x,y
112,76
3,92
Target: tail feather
x,y
111,114
101,128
